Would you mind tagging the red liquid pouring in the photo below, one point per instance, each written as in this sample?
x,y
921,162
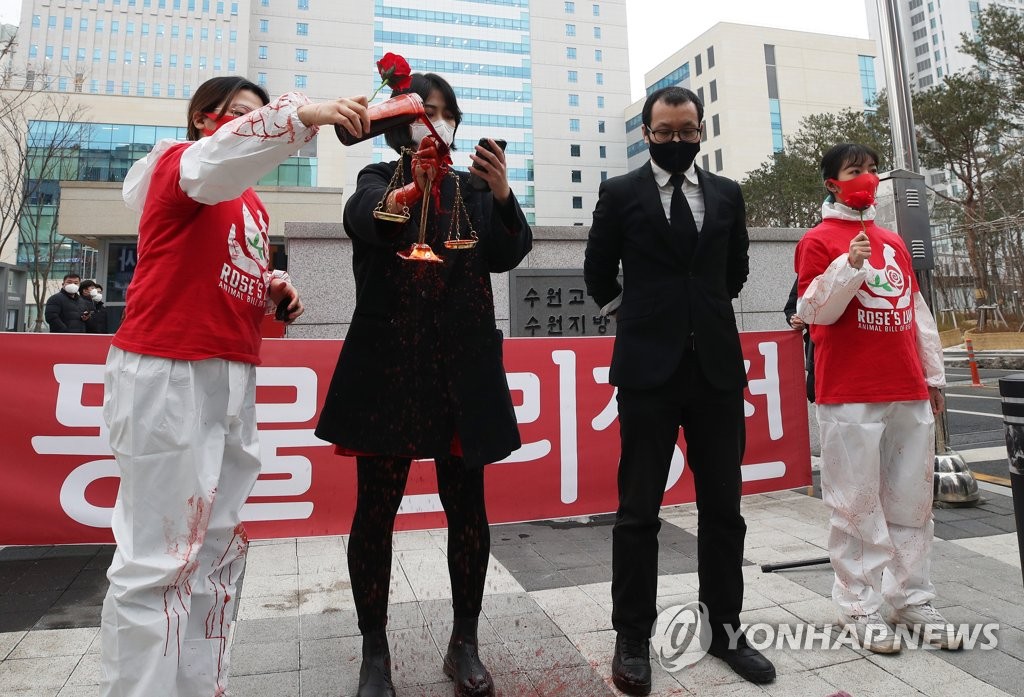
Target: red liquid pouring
x,y
397,111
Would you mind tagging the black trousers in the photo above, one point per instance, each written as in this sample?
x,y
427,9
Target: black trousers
x,y
380,489
713,426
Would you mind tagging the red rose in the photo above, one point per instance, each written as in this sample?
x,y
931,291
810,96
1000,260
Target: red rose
x,y
859,200
395,71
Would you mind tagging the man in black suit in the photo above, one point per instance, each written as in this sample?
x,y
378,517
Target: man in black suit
x,y
680,234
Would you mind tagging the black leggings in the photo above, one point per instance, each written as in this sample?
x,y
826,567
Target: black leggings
x,y
380,489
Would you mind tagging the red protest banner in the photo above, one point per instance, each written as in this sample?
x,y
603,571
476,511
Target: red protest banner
x,y
61,480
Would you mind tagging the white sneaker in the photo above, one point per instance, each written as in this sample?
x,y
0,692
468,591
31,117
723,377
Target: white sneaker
x,y
930,623
873,632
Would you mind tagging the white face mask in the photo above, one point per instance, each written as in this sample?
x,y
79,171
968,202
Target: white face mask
x,y
97,297
71,288
418,130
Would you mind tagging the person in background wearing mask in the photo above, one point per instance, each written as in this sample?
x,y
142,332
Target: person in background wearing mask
x,y
97,323
680,234
794,321
420,375
67,311
878,383
180,385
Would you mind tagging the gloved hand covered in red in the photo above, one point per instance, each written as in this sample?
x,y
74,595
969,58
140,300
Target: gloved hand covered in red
x,y
426,162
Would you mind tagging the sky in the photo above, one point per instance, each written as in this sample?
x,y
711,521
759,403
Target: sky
x,y
658,28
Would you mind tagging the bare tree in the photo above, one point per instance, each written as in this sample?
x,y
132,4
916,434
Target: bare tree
x,y
43,149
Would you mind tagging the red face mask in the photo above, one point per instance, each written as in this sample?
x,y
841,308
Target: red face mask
x,y
857,193
219,120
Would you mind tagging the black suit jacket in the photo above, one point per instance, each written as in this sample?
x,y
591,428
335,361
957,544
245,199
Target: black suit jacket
x,y
667,295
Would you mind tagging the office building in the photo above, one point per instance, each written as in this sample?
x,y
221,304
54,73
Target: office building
x,y
550,78
757,84
932,32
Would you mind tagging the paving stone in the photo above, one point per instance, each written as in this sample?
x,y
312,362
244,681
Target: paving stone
x,y
546,654
87,672
336,623
539,581
315,653
526,626
266,631
585,575
268,685
37,673
51,643
946,531
508,604
70,691
29,599
976,528
259,658
553,639
512,685
571,682
30,552
70,616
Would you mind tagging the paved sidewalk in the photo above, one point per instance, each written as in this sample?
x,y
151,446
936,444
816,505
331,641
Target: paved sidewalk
x,y
546,628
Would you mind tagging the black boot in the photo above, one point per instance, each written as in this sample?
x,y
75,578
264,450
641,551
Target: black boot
x,y
462,662
375,671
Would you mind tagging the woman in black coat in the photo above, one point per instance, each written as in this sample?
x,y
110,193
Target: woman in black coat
x,y
420,373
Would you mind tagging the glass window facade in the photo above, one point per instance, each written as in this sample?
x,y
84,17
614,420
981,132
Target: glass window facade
x,y
676,77
775,115
868,88
103,152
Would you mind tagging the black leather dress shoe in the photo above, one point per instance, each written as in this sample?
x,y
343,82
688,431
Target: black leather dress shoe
x,y
631,665
745,661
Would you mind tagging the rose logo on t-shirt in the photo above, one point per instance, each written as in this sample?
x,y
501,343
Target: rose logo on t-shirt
x,y
885,284
245,275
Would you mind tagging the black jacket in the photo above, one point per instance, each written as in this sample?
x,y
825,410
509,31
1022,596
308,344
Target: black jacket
x,y
97,323
667,295
64,313
422,360
789,310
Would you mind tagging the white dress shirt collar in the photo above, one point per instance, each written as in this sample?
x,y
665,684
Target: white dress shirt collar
x,y
662,176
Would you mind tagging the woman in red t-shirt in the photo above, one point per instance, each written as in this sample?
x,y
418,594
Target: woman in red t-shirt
x,y
180,384
878,378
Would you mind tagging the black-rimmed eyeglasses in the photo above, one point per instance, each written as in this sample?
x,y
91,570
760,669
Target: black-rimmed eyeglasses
x,y
664,135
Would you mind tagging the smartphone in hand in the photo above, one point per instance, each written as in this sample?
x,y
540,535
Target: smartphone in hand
x,y
281,314
474,179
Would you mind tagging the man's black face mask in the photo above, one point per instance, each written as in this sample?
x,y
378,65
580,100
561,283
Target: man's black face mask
x,y
674,156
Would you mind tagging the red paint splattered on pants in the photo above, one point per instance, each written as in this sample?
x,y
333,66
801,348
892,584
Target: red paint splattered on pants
x,y
218,620
186,548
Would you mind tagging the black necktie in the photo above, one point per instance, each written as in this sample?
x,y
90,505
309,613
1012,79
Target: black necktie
x,y
682,222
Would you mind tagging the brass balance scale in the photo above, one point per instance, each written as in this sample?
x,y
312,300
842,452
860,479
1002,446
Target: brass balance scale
x,y
421,251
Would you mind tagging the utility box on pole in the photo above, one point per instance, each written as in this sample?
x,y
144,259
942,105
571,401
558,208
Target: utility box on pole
x,y
904,207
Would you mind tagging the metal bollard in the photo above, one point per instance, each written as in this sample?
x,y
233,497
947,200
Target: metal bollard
x,y
1011,389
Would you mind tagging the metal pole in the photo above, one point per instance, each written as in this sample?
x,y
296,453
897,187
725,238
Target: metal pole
x,y
901,111
948,463
1011,389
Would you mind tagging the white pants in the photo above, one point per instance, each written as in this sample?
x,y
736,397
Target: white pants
x,y
184,435
877,479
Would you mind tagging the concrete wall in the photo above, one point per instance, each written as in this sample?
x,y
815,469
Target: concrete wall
x,y
320,261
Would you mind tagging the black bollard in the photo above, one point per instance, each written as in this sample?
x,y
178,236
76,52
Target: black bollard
x,y
1011,389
